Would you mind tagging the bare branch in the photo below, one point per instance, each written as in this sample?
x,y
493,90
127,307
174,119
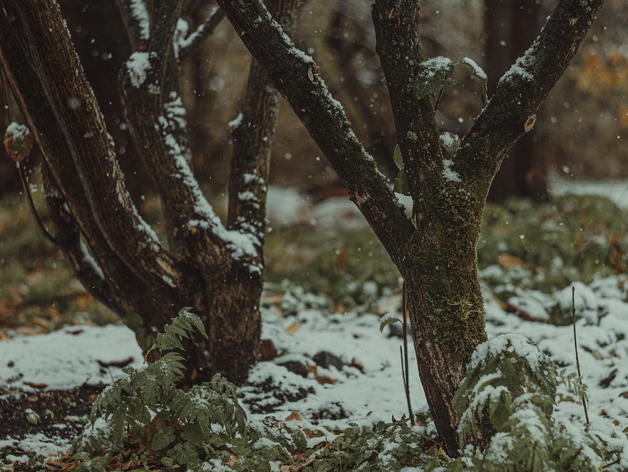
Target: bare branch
x,y
253,133
136,20
39,35
68,235
296,76
188,45
512,109
401,55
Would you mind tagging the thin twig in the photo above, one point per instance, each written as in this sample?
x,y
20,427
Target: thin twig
x,y
5,95
575,343
48,236
404,361
616,461
202,32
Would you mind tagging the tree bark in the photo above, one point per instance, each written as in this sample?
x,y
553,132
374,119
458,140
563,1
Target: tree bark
x,y
436,250
215,270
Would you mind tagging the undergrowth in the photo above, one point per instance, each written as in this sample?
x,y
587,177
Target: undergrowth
x,y
145,420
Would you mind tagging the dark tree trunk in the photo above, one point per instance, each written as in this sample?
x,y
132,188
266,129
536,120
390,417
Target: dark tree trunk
x,y
435,251
511,27
217,270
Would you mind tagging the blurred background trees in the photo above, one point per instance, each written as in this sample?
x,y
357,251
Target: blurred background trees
x,y
338,33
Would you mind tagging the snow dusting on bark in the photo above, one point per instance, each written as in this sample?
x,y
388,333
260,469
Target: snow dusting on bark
x,y
89,260
518,69
138,65
140,14
240,244
448,172
237,121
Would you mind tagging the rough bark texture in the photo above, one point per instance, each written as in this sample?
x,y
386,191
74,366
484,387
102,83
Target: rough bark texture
x,y
436,250
215,270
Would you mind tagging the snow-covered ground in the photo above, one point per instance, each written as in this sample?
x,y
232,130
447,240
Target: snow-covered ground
x,y
69,357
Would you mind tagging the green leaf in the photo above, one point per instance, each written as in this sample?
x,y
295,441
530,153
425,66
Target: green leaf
x,y
432,77
163,438
398,158
401,183
167,461
388,321
480,74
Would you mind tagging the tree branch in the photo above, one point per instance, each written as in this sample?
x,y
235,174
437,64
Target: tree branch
x,y
400,52
136,20
188,45
296,77
511,110
38,35
252,137
156,119
68,237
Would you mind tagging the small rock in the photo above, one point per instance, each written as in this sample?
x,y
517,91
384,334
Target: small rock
x,y
324,359
267,350
295,367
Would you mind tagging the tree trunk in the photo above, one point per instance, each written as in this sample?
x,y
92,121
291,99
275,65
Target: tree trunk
x,y
214,269
435,251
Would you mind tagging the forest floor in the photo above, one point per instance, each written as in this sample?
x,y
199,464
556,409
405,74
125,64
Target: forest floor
x,y
329,285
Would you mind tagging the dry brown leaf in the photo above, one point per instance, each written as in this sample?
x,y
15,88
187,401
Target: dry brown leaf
x,y
74,332
293,328
321,379
506,261
272,300
294,416
357,365
35,385
83,301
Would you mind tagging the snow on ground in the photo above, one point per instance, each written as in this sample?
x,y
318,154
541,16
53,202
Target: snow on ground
x,y
616,191
69,357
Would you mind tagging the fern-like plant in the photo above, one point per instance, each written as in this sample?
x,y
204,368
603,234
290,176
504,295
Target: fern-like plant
x,y
147,413
513,383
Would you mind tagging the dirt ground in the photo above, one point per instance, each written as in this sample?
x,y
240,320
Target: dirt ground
x,y
58,411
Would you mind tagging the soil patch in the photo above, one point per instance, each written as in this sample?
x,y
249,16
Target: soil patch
x,y
54,414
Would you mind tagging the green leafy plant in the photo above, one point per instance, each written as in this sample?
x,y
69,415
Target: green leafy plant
x,y
513,385
147,411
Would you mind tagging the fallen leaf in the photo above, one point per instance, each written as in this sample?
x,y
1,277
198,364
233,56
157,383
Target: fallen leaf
x,y
616,422
293,328
121,364
294,416
506,261
357,365
321,379
34,385
74,332
341,261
